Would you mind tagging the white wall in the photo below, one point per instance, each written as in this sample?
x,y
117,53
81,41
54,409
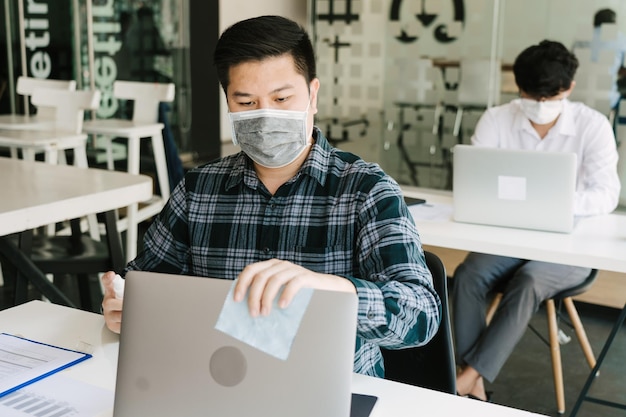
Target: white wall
x,y
232,11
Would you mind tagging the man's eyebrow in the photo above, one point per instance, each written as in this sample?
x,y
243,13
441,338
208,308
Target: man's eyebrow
x,y
241,94
276,90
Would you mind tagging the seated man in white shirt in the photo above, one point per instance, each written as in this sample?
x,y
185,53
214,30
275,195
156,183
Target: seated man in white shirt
x,y
541,119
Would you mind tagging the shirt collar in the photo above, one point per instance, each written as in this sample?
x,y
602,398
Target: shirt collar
x,y
318,161
566,123
315,165
241,167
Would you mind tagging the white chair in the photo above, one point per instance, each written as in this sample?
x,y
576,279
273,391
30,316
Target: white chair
x,y
44,117
144,124
479,87
66,134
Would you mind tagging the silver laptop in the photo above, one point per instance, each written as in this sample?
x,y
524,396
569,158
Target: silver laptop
x,y
514,188
169,349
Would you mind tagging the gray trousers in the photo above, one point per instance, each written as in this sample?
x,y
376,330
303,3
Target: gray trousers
x,y
486,348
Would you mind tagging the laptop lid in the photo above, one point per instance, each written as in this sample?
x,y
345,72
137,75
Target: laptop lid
x,y
169,349
514,188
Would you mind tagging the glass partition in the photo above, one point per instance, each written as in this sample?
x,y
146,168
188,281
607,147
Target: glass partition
x,y
35,38
139,41
95,43
403,81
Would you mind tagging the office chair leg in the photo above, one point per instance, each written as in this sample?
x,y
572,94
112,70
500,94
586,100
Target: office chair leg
x,y
84,291
437,119
555,351
457,122
109,152
580,331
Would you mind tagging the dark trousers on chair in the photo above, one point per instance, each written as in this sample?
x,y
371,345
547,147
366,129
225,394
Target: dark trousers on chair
x,y
529,283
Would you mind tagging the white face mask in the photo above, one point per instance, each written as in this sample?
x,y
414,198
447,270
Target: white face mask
x,y
271,138
542,112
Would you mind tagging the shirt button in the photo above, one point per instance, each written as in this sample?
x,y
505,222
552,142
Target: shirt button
x,y
266,250
370,315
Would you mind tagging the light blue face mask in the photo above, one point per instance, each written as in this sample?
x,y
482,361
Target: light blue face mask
x,y
271,138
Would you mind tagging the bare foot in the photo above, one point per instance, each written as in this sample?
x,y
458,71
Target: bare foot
x,y
466,380
479,389
470,382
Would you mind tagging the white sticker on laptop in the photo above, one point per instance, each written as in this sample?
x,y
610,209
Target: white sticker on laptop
x,y
272,334
511,188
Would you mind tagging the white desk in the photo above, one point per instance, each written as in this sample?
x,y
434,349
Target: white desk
x,y
35,194
597,242
70,328
52,143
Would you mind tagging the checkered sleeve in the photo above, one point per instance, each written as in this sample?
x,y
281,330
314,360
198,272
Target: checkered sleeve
x,y
166,242
398,306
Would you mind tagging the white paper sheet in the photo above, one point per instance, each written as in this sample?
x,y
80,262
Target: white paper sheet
x,y
24,361
57,396
431,212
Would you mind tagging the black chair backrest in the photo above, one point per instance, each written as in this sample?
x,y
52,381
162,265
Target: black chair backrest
x,y
431,366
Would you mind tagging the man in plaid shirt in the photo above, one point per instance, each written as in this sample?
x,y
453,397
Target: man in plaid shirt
x,y
290,211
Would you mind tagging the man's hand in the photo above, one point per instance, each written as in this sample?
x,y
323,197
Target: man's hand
x,y
111,306
263,280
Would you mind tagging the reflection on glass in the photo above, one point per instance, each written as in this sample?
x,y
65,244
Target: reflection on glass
x,y
410,68
140,55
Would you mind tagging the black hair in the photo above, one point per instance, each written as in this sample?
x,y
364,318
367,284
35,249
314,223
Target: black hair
x,y
544,70
264,37
604,16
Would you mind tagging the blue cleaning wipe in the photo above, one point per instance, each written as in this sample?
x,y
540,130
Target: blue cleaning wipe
x,y
272,334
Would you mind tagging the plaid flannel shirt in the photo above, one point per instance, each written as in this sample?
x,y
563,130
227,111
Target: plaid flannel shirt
x,y
339,215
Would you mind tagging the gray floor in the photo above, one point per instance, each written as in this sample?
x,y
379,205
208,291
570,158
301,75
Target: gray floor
x,y
526,380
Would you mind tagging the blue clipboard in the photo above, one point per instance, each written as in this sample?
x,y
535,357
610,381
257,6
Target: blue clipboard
x,y
81,356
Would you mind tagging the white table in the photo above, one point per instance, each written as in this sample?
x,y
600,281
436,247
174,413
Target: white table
x,y
35,194
52,143
597,242
69,328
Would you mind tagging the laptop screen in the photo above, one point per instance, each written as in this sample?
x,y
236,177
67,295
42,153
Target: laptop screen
x,y
172,360
514,188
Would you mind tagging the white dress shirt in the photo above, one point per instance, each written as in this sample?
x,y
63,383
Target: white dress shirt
x,y
579,129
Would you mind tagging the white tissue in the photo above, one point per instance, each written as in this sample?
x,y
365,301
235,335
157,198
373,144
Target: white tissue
x,y
272,334
118,286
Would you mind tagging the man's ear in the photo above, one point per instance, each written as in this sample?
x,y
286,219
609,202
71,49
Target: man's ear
x,y
314,87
